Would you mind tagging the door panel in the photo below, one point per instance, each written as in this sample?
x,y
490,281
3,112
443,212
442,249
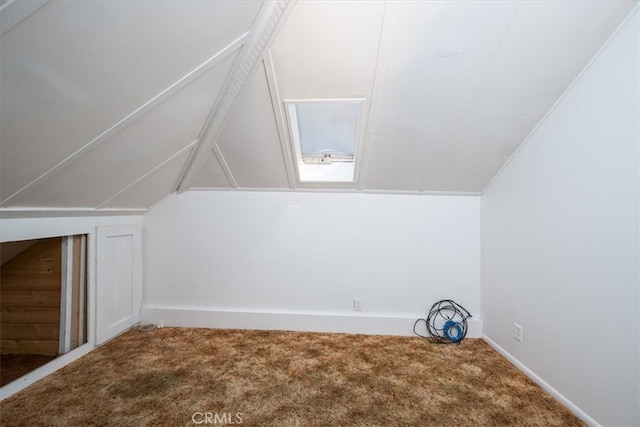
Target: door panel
x,y
118,287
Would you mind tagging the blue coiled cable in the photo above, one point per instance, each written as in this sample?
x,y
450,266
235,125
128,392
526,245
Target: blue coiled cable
x,y
446,322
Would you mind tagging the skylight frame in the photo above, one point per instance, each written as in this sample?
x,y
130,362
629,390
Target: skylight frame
x,y
338,174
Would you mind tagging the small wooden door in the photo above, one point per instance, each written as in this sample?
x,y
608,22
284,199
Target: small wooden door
x,y
118,280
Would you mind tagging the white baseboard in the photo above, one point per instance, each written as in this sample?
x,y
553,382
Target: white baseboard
x,y
542,383
309,322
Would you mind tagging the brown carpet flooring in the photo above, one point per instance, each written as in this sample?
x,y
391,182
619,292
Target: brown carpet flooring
x,y
180,377
13,366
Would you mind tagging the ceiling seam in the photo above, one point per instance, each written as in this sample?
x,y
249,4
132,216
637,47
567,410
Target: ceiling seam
x,y
148,174
279,117
7,4
261,34
224,165
372,110
131,117
21,19
504,25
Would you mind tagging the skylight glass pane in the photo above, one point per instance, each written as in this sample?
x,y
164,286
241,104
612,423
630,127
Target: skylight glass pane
x,y
327,127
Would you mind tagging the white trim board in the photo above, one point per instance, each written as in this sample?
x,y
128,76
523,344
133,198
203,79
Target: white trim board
x,y
340,190
149,173
64,340
188,317
542,383
53,212
217,153
280,117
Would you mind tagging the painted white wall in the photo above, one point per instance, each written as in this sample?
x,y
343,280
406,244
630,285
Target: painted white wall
x,y
285,260
560,242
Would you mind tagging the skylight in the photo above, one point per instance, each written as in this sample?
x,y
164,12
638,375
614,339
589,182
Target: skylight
x,y
324,134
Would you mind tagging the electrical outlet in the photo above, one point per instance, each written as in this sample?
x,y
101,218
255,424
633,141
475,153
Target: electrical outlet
x,y
518,334
357,304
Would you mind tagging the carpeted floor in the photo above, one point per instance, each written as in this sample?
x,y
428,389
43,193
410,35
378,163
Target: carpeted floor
x,y
186,377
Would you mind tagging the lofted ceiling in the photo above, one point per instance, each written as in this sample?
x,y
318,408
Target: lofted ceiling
x,y
115,105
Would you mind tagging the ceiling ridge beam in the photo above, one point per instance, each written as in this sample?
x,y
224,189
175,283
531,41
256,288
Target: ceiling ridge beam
x,y
261,34
132,117
148,174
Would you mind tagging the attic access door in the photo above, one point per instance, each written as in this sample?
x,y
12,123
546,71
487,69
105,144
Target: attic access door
x,y
118,285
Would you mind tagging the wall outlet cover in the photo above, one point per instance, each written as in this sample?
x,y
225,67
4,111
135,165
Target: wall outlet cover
x,y
518,334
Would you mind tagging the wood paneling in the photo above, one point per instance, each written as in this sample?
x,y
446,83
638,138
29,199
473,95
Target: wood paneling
x,y
31,299
31,331
46,348
30,286
12,249
19,282
39,267
17,315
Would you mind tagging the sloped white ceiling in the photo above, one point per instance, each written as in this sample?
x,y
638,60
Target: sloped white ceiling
x,y
136,149
427,73
95,95
103,103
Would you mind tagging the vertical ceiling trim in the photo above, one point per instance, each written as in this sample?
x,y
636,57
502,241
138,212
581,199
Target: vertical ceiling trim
x,y
147,174
372,110
261,34
132,117
224,165
461,109
276,104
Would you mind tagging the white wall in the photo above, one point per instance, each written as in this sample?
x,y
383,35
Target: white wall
x,y
286,260
560,242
